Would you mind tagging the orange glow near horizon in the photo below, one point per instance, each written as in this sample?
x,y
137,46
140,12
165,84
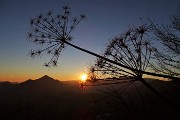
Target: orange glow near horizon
x,y
24,77
63,75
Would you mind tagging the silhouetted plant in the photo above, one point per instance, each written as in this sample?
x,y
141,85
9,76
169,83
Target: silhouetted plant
x,y
132,49
50,30
126,56
168,59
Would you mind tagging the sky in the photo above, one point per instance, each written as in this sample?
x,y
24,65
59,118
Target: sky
x,y
105,20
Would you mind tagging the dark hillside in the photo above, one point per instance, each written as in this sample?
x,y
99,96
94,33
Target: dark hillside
x,y
49,99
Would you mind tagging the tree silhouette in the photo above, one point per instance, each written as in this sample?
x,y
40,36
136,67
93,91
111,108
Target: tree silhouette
x,y
168,60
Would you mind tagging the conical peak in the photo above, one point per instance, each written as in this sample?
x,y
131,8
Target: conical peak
x,y
46,77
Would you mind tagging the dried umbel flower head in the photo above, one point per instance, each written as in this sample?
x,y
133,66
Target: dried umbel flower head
x,y
50,31
132,48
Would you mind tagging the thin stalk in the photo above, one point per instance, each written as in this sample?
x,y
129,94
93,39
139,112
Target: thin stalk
x,y
140,79
119,64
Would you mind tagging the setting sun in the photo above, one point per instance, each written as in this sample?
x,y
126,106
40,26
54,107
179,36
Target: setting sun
x,y
83,77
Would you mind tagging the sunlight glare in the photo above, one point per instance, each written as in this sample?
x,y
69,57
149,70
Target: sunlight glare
x,y
83,77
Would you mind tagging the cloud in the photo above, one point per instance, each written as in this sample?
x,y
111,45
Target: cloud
x,y
11,75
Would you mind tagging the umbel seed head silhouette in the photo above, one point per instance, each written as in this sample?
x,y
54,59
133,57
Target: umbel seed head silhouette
x,y
50,31
132,48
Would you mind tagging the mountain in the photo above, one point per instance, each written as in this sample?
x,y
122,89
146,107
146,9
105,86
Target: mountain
x,y
43,85
43,98
49,99
44,81
6,86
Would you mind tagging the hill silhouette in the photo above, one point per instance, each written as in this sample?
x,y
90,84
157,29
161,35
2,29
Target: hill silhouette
x,y
45,80
5,84
49,99
6,87
44,84
44,98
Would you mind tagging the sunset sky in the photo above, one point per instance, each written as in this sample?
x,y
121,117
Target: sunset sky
x,y
105,19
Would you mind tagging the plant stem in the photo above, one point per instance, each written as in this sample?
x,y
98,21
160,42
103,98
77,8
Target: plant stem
x,y
132,69
119,64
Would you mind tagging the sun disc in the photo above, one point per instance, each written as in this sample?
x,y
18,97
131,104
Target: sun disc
x,y
83,77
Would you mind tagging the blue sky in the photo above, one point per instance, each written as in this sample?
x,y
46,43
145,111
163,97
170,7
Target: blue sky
x,y
105,20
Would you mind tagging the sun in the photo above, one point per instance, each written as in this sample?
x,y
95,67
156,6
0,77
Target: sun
x,y
83,77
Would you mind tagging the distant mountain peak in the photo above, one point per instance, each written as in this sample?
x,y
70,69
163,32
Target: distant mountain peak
x,y
46,77
42,83
5,83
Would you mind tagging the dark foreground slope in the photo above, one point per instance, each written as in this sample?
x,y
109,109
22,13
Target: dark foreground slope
x,y
46,99
49,99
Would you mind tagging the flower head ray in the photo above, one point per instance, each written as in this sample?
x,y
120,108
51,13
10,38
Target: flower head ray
x,y
50,31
